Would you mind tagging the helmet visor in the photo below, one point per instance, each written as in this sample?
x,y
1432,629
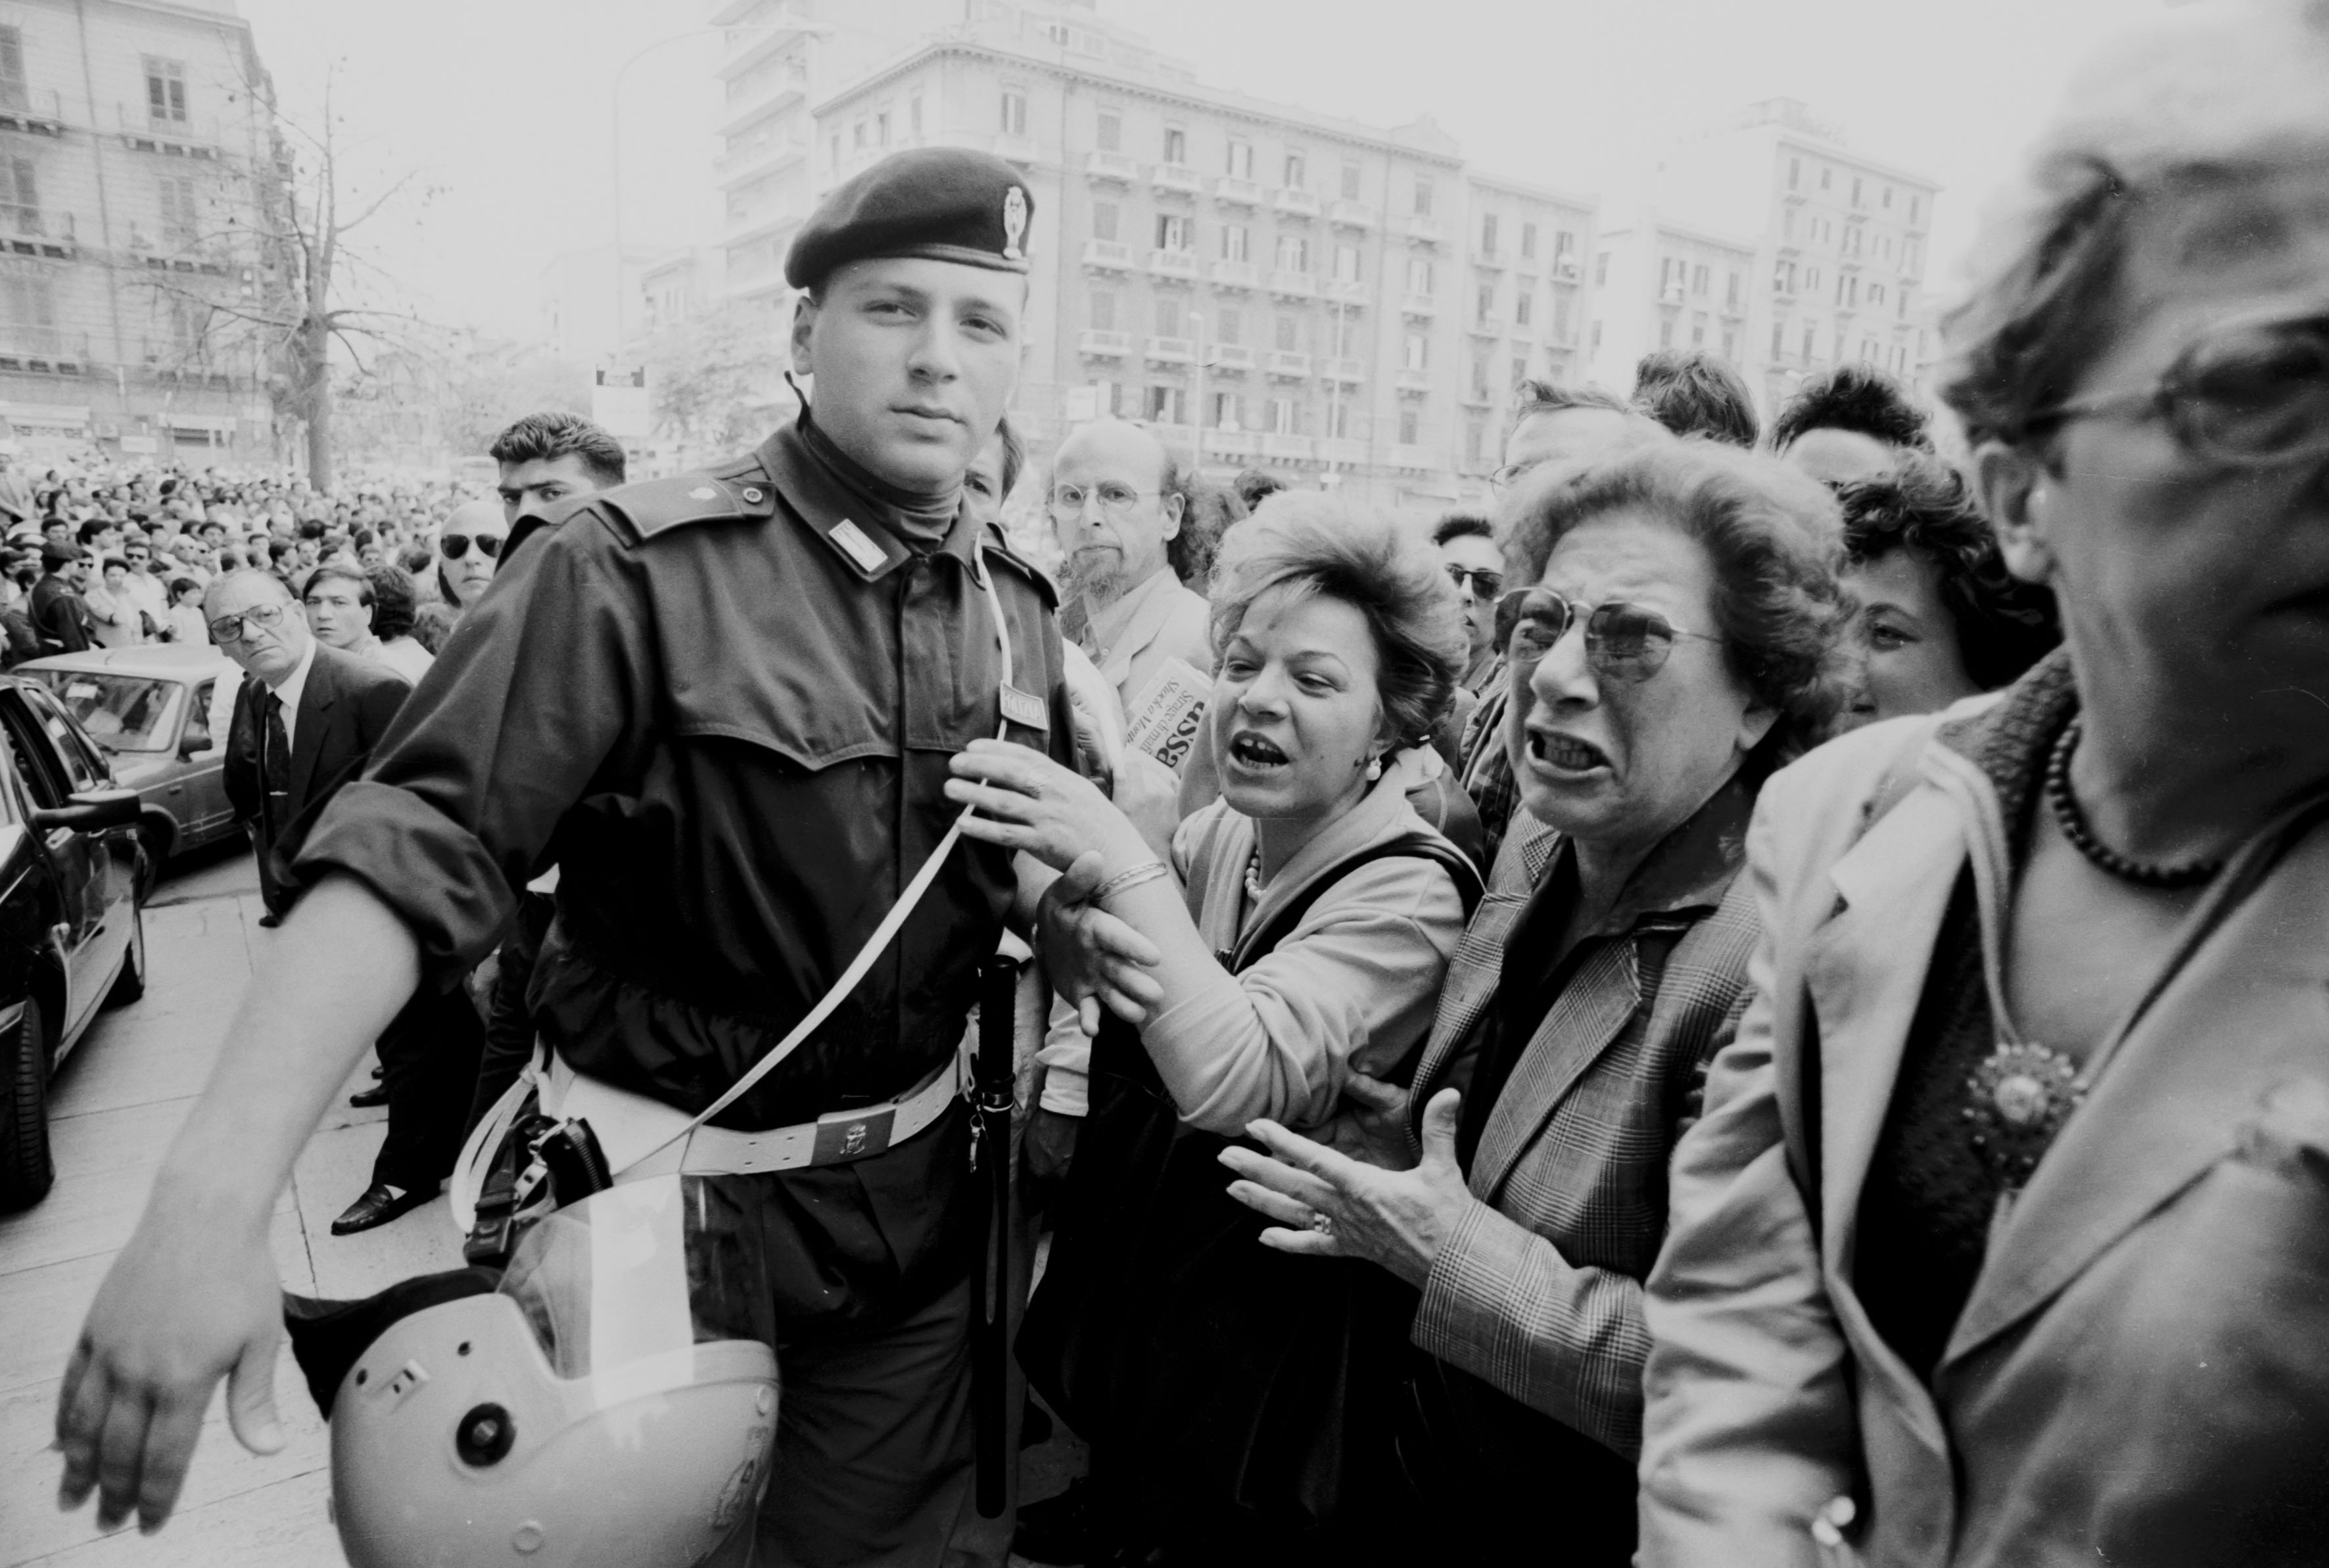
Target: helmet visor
x,y
623,1287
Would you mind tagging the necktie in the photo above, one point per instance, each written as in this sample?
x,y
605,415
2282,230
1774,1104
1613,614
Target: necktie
x,y
274,759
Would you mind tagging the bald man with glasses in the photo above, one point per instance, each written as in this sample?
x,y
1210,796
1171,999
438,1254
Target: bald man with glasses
x,y
1117,500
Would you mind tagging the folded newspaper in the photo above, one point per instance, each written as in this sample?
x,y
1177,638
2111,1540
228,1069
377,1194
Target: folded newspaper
x,y
1163,720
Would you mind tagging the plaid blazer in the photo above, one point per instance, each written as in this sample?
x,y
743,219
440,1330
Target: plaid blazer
x,y
1539,1290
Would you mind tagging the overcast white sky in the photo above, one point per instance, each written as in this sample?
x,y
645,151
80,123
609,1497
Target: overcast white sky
x,y
503,106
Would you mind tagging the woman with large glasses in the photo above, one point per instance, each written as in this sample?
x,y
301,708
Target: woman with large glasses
x,y
1669,650
2004,1238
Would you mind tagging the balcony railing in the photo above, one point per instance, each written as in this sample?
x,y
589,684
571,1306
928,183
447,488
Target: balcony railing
x,y
1232,357
1412,380
1296,203
1351,214
1236,275
1348,291
1425,230
1341,449
1414,303
1173,264
1490,259
1121,168
1107,255
1232,444
1288,364
1237,192
1348,371
1293,285
1171,351
1564,269
1286,448
1104,344
1485,326
49,350
1175,177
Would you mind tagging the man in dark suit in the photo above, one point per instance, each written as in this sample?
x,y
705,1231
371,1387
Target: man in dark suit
x,y
59,617
305,719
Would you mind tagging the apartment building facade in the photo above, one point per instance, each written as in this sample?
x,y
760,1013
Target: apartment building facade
x,y
142,199
1663,283
1346,305
1839,245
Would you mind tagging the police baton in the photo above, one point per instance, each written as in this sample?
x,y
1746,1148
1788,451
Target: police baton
x,y
990,1340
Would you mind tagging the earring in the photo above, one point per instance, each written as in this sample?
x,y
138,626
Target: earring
x,y
1374,768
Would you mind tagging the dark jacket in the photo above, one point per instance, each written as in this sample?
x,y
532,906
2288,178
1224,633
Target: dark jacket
x,y
59,617
344,711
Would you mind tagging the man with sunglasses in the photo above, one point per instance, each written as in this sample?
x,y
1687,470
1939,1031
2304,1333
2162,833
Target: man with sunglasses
x,y
1117,501
469,550
1467,545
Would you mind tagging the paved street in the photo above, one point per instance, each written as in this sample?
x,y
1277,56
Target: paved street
x,y
118,1101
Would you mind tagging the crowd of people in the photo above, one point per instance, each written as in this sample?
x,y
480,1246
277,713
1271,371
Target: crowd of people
x,y
1756,999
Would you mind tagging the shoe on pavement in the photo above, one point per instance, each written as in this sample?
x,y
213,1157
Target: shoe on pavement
x,y
270,921
365,1099
379,1204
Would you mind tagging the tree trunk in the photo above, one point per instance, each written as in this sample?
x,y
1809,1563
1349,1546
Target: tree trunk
x,y
313,347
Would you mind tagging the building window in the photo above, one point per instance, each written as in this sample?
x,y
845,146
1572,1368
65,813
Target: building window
x,y
1173,231
1888,197
1293,253
1349,182
1423,198
1487,234
1015,112
914,119
166,91
1338,420
1828,178
1597,337
12,68
1666,334
857,137
1418,356
1697,279
1520,372
1103,310
1876,293
1698,331
1103,219
1810,339
1855,190
1475,439
1601,270
1111,131
1346,264
1410,424
881,130
1564,244
1164,405
1228,410
1778,339
1561,314
1235,242
20,196
1915,205
1176,144
1228,326
1811,280
1240,161
1523,307
1528,242
1795,173
1169,315
1296,176
1290,335
1285,417
1418,275
1730,342
181,225
1345,330
1488,311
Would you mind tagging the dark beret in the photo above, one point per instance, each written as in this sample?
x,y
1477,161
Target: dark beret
x,y
57,555
947,203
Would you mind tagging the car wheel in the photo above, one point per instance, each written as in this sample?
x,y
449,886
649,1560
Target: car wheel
x,y
130,983
26,1171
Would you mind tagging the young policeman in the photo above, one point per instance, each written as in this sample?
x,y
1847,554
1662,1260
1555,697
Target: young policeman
x,y
724,703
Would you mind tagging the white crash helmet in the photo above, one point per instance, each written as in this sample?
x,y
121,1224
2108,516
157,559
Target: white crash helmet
x,y
611,1404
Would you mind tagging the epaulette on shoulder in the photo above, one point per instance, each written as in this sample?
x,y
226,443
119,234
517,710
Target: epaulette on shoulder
x,y
656,506
996,548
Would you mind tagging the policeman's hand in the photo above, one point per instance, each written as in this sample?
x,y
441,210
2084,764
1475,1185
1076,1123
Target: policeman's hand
x,y
1370,1124
1095,959
1051,1144
1027,801
1324,1205
182,1307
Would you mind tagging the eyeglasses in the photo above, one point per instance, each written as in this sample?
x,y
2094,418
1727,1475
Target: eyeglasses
x,y
1510,474
2248,395
230,628
454,546
1479,582
1115,497
1623,641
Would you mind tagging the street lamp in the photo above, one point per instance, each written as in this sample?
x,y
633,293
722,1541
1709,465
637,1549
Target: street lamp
x,y
1197,414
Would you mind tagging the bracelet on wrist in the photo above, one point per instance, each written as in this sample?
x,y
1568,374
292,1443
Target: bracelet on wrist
x,y
1147,871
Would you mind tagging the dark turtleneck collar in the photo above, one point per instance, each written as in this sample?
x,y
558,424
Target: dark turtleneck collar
x,y
921,522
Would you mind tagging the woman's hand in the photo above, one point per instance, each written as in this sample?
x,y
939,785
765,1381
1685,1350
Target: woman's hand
x,y
1328,1206
1029,802
1370,1124
1149,795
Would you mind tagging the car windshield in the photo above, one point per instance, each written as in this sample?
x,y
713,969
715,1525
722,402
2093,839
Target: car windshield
x,y
120,712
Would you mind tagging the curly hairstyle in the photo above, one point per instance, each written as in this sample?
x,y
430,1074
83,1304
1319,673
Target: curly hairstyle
x,y
2004,624
1382,568
1693,393
555,433
394,602
1853,397
1208,511
1769,533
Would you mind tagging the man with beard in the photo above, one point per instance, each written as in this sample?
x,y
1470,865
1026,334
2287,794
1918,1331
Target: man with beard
x,y
1116,501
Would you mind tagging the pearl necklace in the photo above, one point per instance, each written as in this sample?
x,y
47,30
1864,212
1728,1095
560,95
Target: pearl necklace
x,y
1253,875
2073,822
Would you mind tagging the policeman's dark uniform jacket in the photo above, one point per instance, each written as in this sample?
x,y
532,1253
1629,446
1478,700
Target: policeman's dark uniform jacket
x,y
724,704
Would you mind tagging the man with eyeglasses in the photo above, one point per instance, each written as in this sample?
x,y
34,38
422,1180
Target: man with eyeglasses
x,y
1467,545
468,551
1117,501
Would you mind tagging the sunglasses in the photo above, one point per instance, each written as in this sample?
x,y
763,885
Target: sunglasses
x,y
1623,641
1480,582
230,628
2248,395
454,546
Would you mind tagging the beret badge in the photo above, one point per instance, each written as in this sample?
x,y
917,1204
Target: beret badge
x,y
1015,222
